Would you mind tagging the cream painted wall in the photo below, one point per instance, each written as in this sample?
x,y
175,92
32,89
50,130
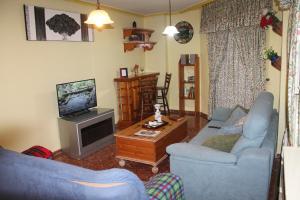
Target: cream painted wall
x,y
175,49
274,40
157,59
171,50
283,80
29,71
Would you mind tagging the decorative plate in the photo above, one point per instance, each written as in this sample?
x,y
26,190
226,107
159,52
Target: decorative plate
x,y
186,32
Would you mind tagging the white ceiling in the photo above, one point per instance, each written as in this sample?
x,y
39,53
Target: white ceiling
x,y
147,7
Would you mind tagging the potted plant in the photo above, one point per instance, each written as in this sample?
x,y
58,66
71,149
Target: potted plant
x,y
269,19
270,54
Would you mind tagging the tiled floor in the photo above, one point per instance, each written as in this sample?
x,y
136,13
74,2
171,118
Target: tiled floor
x,y
105,158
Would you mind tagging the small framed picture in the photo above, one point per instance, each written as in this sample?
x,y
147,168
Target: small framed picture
x,y
123,72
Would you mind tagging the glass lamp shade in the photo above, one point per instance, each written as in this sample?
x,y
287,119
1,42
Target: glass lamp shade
x,y
170,31
99,17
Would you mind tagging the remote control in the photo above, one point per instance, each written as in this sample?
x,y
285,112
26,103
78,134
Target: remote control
x,y
217,127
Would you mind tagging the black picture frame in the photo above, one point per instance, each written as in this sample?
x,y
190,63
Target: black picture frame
x,y
124,72
44,24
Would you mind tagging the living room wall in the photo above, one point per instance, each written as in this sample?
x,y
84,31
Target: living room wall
x,y
171,50
29,71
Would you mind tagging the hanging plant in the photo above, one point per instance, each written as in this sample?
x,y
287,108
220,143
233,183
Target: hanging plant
x,y
270,54
268,19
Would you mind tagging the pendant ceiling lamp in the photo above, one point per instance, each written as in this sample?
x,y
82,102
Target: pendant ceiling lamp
x,y
98,17
170,30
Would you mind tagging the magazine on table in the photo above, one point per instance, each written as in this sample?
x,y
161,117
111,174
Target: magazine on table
x,y
147,133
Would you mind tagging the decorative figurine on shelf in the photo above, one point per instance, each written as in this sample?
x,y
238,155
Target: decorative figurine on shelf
x,y
134,24
136,69
157,116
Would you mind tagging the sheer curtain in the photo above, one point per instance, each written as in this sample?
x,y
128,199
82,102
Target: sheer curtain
x,y
235,43
294,74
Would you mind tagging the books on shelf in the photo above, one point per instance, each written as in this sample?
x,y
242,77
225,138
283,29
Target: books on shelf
x,y
147,133
189,92
186,59
191,78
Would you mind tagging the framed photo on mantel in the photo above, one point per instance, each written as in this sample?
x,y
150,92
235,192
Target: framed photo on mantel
x,y
123,72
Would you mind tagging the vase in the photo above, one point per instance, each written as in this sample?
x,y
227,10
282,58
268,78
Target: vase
x,y
134,24
277,63
277,27
274,58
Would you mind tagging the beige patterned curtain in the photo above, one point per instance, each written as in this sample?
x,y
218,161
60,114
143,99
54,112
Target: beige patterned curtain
x,y
294,75
235,43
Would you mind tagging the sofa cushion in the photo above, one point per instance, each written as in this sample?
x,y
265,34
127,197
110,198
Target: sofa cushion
x,y
237,127
256,124
222,142
231,129
234,124
237,113
221,114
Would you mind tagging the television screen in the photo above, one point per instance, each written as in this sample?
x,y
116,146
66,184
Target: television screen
x,y
76,96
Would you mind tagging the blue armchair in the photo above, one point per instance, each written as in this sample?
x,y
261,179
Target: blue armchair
x,y
245,172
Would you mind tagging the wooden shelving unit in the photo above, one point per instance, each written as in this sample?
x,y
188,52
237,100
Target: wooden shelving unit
x,y
183,85
137,37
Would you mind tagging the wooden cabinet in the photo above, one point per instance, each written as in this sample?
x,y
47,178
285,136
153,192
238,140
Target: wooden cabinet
x,y
128,94
137,37
189,84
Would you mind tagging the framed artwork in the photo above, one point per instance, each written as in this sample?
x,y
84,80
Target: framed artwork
x,y
44,24
123,72
186,32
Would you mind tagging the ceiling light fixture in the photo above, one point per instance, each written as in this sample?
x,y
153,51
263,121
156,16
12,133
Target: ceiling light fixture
x,y
170,30
98,17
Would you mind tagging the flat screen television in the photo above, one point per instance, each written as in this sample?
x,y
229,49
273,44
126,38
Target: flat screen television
x,y
76,97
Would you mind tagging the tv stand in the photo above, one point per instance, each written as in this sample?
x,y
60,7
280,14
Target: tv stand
x,y
76,114
83,134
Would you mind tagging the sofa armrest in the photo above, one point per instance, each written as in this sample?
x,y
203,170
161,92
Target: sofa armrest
x,y
200,153
221,114
255,156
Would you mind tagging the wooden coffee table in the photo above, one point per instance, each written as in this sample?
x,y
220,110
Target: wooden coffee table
x,y
149,150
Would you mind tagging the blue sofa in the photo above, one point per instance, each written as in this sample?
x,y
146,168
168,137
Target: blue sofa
x,y
244,173
26,177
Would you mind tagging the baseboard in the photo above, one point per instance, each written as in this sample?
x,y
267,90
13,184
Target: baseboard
x,y
205,116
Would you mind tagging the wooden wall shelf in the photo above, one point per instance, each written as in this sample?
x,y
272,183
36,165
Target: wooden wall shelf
x,y
137,38
147,46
